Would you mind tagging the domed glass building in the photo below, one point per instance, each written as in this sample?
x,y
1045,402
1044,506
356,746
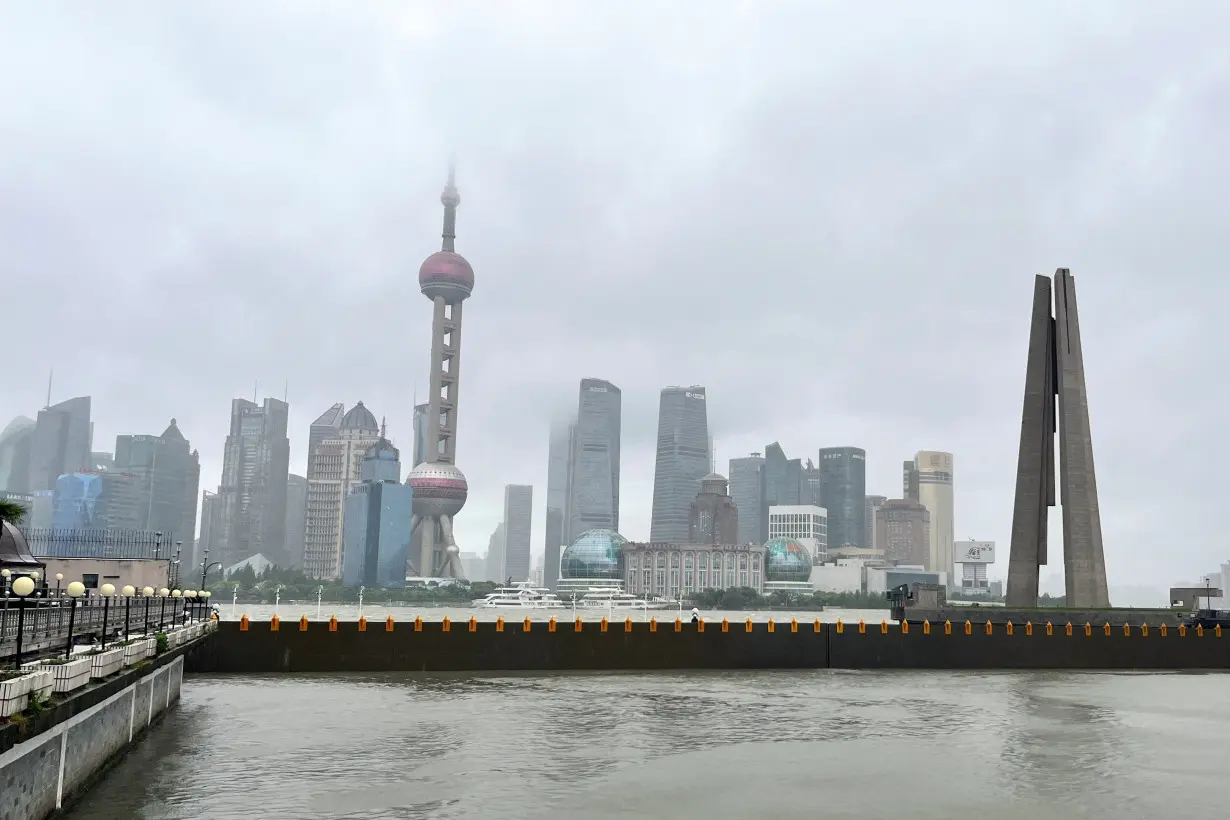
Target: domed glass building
x,y
596,555
787,564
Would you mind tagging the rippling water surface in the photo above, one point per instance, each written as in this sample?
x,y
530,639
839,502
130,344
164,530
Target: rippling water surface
x,y
719,746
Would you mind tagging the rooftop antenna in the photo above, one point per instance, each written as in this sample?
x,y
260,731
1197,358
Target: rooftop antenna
x,y
382,427
255,386
286,392
50,374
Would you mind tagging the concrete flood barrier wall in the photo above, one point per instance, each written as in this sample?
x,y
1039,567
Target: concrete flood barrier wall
x,y
258,647
58,754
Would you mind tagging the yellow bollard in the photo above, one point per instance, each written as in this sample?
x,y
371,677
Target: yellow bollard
x,y
749,625
969,628
1067,629
1162,630
862,627
1199,630
988,627
1029,628
332,623
473,624
816,626
794,625
1182,631
1217,631
905,627
525,625
926,627
947,627
1088,630
1106,629
576,627
303,624
678,625
883,627
362,623
602,625
1008,628
1144,630
418,624
274,623
446,625
627,624
840,627
749,622
1050,628
653,624
1127,630
243,624
725,625
388,624
551,625
499,624
700,624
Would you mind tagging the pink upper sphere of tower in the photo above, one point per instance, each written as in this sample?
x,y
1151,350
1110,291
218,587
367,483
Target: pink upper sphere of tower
x,y
446,274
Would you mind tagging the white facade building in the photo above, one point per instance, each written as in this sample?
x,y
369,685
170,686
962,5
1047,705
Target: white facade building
x,y
934,471
670,570
334,467
805,523
843,575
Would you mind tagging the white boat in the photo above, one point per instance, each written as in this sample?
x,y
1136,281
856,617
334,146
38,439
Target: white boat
x,y
616,598
521,596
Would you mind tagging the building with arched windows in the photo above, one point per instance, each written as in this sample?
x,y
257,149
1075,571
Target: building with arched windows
x,y
669,570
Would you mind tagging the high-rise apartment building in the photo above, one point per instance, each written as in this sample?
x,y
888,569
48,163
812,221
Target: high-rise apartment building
x,y
713,517
325,427
518,512
495,555
15,442
255,464
903,532
168,477
296,517
805,523
683,459
336,465
870,504
931,474
63,438
211,525
747,491
376,529
594,491
559,463
843,493
810,485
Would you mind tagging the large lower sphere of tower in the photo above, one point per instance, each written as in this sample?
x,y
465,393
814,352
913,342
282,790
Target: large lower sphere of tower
x,y
448,275
439,489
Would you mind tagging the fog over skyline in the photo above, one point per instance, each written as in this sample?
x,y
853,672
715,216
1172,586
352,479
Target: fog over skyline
x,y
829,215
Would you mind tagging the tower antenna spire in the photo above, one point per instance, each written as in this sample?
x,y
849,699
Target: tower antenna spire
x,y
450,199
50,373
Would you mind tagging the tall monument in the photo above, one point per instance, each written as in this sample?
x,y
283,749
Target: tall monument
x,y
440,489
1055,369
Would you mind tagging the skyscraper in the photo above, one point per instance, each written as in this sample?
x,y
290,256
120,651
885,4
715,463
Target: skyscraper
x,y
377,529
903,532
1055,369
594,481
871,504
683,459
324,427
843,493
255,464
932,475
96,501
747,490
495,555
713,517
440,489
783,480
518,512
296,517
15,441
558,464
336,465
61,444
168,476
211,526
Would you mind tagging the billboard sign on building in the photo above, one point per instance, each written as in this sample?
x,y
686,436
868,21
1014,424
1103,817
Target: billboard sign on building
x,y
974,552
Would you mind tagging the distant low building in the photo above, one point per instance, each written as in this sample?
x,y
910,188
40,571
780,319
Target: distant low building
x,y
669,570
258,563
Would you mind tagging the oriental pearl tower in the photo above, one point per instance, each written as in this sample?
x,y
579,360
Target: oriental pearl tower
x,y
440,489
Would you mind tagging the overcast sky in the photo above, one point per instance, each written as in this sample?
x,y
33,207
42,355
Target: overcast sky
x,y
829,214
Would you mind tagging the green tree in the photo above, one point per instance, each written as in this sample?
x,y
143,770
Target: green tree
x,y
11,512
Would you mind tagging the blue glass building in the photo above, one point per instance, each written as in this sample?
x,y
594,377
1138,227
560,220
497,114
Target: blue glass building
x,y
85,501
376,522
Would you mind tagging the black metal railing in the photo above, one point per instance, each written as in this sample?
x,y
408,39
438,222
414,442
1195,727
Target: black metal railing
x,y
45,621
99,543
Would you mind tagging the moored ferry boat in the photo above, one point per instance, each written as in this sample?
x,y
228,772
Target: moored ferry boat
x,y
616,598
521,596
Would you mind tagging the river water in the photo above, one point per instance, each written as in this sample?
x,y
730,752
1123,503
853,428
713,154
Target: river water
x,y
717,746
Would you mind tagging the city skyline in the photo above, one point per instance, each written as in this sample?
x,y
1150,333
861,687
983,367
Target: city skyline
x,y
588,255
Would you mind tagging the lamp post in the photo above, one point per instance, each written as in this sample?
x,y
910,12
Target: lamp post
x,y
59,580
163,593
234,601
179,548
206,610
319,592
190,595
361,600
75,590
176,606
22,587
35,577
147,593
204,566
277,600
106,591
4,577
128,591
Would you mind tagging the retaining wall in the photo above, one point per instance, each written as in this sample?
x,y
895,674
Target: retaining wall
x,y
59,753
430,647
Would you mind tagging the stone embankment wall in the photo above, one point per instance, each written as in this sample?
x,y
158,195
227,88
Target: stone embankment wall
x,y
433,647
56,755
